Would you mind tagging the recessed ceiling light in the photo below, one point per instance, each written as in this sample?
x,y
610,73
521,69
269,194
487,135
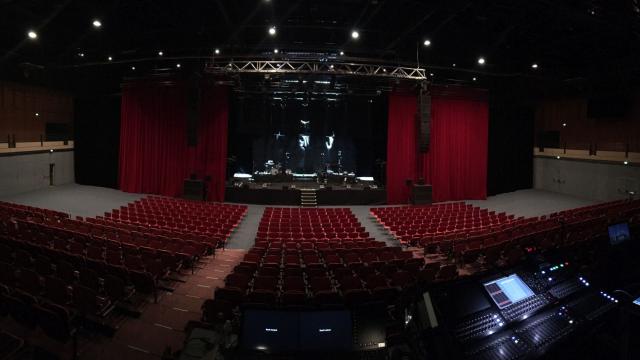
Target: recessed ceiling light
x,y
81,54
109,58
217,51
534,66
32,35
178,65
430,74
272,31
160,53
133,68
474,78
454,64
37,114
331,66
355,34
341,53
96,23
564,124
427,42
275,51
481,60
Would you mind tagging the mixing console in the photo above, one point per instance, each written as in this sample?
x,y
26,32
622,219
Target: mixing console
x,y
479,326
524,308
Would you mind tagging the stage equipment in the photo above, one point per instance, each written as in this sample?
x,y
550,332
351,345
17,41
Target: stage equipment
x,y
268,66
424,118
194,189
421,194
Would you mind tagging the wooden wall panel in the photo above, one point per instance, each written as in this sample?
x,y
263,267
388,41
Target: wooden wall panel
x,y
19,105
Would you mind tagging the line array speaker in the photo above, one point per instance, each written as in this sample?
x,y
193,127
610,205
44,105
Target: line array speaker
x,y
424,118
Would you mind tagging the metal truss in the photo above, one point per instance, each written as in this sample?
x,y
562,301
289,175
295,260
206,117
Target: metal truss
x,y
315,67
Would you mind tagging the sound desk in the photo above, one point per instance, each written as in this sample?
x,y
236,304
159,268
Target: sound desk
x,y
519,314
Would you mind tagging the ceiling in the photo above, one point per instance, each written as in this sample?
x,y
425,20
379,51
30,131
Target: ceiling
x,y
569,40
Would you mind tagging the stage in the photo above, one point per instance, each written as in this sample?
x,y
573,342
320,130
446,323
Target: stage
x,y
289,194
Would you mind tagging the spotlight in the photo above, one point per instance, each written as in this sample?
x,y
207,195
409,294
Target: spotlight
x,y
133,68
275,51
558,157
427,42
272,31
37,114
355,34
110,58
341,53
178,65
474,78
32,35
81,54
430,74
96,23
454,64
160,53
217,51
481,60
626,162
564,124
534,66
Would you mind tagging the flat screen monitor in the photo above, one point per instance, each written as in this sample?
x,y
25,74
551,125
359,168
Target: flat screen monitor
x,y
270,331
637,301
619,233
508,290
325,331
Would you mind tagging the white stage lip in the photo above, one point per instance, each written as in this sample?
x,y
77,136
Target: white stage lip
x,y
365,178
241,176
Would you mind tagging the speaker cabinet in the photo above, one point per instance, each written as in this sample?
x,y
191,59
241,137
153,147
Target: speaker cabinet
x,y
424,119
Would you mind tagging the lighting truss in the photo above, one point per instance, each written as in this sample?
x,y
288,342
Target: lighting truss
x,y
315,67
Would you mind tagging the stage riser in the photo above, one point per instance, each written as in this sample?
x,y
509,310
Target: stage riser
x,y
292,196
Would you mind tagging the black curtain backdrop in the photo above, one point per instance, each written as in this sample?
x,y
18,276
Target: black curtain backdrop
x,y
358,123
511,136
96,140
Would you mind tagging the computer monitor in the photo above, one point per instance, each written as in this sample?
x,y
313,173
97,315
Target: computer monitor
x,y
270,331
325,331
508,290
619,233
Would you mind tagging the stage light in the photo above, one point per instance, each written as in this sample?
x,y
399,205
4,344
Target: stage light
x,y
626,162
81,54
32,35
341,53
217,51
564,124
178,65
427,42
133,68
430,74
275,51
160,53
110,58
481,61
331,67
355,34
558,157
534,66
96,23
454,64
272,31
37,114
474,78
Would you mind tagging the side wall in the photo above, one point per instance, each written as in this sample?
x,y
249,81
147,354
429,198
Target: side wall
x,y
28,172
591,180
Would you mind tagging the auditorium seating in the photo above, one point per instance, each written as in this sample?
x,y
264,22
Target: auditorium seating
x,y
317,257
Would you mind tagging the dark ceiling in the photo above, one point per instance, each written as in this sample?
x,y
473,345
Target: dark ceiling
x,y
569,40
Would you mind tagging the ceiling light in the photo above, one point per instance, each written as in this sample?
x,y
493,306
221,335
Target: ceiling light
x,y
275,51
564,124
341,53
474,78
96,23
109,58
355,34
217,51
481,60
430,74
133,68
427,42
454,64
626,162
272,31
178,65
81,54
331,67
32,34
37,114
160,53
534,66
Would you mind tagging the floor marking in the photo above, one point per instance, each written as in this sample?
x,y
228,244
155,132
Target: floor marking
x,y
178,309
138,349
163,326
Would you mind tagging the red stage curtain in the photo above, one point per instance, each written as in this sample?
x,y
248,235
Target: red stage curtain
x,y
456,164
401,146
154,156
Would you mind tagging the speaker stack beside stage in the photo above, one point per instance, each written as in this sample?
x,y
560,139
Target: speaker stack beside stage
x,y
424,118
